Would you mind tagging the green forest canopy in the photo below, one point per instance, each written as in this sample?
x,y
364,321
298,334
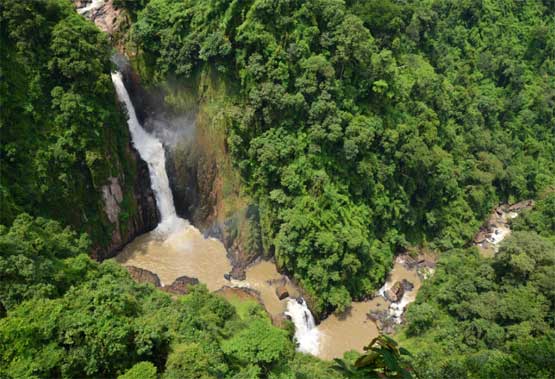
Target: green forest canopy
x,y
63,133
368,126
491,317
363,127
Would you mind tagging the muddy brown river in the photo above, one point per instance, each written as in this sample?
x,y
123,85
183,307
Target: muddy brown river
x,y
177,248
187,252
184,252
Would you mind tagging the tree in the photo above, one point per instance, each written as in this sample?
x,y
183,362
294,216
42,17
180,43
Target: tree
x,y
383,359
141,370
39,258
259,344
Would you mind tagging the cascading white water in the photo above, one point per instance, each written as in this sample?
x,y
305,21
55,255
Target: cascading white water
x,y
152,152
95,4
306,332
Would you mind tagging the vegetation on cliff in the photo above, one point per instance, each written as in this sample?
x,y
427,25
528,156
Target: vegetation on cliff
x,y
367,126
63,134
491,317
359,127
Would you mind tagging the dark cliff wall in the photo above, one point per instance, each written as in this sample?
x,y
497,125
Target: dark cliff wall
x,y
206,188
129,206
205,185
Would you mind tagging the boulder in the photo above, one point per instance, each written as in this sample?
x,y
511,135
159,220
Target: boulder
x,y
140,275
481,236
280,320
241,293
395,293
525,204
281,292
181,285
377,315
407,286
238,273
427,263
408,261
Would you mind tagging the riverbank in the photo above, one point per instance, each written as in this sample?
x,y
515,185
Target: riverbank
x,y
497,227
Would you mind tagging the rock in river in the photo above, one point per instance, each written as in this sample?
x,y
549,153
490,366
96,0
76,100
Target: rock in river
x,y
281,292
140,275
181,285
395,293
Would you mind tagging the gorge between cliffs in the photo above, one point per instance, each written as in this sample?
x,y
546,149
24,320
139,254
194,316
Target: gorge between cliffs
x,y
277,189
176,249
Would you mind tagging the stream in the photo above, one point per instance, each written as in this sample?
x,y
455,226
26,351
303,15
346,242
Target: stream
x,y
176,248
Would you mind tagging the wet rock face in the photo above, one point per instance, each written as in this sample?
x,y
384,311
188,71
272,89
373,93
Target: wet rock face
x,y
395,293
142,218
407,286
194,181
181,285
112,196
101,12
141,275
281,292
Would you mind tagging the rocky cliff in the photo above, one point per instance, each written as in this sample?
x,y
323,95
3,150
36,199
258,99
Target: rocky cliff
x,y
190,121
131,215
127,206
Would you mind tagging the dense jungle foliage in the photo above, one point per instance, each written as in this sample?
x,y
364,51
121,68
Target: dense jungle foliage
x,y
71,317
362,127
359,127
63,135
491,317
63,315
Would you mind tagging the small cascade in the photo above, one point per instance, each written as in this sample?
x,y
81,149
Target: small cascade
x,y
94,5
152,152
396,307
306,332
387,285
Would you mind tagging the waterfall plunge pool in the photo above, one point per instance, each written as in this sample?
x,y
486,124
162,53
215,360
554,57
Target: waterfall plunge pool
x,y
176,248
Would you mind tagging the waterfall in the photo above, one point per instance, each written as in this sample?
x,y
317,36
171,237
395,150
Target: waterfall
x,y
95,4
306,332
152,152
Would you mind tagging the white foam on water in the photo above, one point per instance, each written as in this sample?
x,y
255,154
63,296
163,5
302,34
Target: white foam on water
x,y
306,332
95,4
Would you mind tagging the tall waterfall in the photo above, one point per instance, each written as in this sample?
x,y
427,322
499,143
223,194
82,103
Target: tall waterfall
x,y
152,152
306,332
